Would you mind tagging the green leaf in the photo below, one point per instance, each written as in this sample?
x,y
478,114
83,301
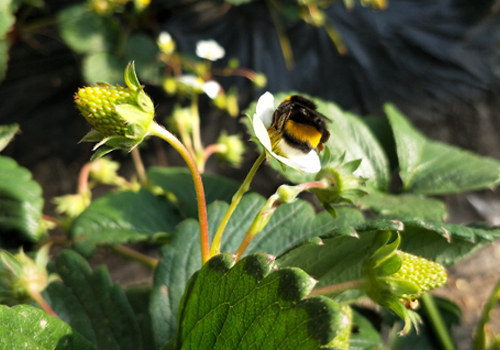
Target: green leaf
x,y
290,224
431,167
246,306
92,305
123,218
364,336
441,242
7,133
349,134
143,50
238,2
87,32
104,66
27,327
4,57
7,20
178,181
139,298
21,202
403,206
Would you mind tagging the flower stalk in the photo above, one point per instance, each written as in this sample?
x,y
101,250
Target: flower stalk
x,y
157,130
284,194
245,186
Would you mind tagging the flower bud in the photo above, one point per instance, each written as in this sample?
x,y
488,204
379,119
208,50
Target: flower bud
x,y
103,171
343,186
287,194
260,80
170,85
234,149
72,205
182,120
232,104
21,276
165,43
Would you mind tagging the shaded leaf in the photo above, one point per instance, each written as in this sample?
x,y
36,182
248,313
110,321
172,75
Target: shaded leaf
x,y
139,298
123,217
443,243
21,202
143,50
246,306
7,132
104,66
92,305
403,206
364,336
431,167
179,182
27,327
87,32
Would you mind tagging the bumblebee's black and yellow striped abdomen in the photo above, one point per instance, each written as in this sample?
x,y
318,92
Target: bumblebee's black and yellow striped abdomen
x,y
301,126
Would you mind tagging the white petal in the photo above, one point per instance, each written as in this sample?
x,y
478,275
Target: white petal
x,y
265,109
165,38
307,163
211,88
192,81
261,132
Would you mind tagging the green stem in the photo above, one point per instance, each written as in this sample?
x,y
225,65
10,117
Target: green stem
x,y
337,288
157,130
479,339
139,166
259,223
198,147
286,47
83,179
437,321
135,255
215,248
37,297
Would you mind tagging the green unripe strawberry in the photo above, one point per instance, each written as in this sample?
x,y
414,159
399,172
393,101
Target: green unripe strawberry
x,y
120,116
97,105
426,274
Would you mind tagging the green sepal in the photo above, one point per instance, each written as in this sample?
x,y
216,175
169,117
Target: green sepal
x,y
92,136
383,253
410,317
329,208
350,167
133,114
389,266
100,152
10,261
401,287
131,78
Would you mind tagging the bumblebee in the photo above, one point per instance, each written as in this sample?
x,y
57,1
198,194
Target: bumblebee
x,y
300,125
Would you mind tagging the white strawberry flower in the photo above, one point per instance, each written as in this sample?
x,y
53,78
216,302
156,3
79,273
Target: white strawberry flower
x,y
210,50
280,150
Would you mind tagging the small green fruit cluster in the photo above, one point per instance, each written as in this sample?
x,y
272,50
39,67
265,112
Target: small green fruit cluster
x,y
426,274
97,105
